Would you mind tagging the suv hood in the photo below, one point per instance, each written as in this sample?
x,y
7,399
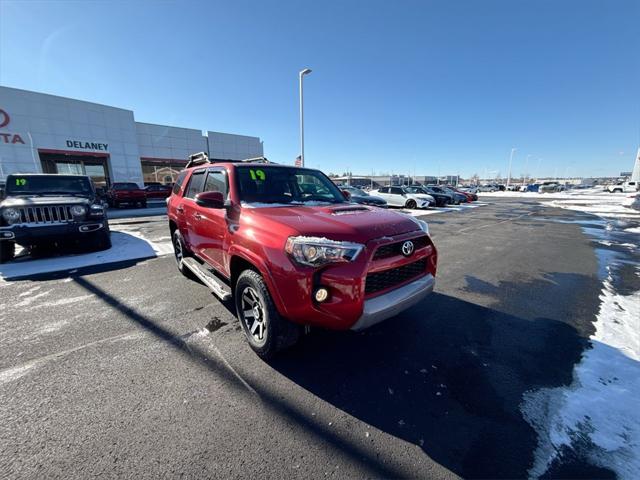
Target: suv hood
x,y
343,222
45,200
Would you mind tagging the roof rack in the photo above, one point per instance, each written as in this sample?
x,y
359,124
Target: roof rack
x,y
201,158
256,160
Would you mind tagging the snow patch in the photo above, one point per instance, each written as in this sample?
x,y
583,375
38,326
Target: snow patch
x,y
124,247
599,410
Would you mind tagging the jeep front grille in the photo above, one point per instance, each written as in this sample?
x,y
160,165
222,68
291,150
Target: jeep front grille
x,y
45,214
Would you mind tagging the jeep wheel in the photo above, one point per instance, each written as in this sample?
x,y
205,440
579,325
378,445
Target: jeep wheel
x,y
617,190
411,204
7,250
180,252
266,331
100,240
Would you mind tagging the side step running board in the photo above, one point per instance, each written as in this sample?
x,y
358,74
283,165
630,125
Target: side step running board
x,y
216,285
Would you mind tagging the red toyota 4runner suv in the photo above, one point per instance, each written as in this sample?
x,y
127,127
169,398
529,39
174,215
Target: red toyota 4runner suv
x,y
293,252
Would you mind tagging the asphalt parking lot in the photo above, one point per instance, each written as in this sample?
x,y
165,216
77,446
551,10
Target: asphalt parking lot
x,y
131,370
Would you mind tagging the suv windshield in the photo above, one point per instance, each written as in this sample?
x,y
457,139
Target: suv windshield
x,y
285,185
48,184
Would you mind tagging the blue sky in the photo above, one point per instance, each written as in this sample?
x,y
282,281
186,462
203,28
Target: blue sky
x,y
447,86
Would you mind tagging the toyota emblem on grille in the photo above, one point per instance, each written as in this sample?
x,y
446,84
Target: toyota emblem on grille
x,y
407,248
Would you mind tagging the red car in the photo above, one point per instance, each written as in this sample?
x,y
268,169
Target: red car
x,y
126,193
157,191
292,252
471,197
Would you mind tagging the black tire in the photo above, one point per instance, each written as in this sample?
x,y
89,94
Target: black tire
x,y
411,204
617,190
101,241
180,252
7,250
271,332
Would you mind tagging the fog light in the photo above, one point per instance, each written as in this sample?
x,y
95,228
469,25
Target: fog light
x,y
321,294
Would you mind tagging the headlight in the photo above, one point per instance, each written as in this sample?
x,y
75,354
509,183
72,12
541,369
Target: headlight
x,y
11,215
78,210
424,226
320,251
96,209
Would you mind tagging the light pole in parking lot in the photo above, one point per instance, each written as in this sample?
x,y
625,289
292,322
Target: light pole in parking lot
x,y
513,150
302,73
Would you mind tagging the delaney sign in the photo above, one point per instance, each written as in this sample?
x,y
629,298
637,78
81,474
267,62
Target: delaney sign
x,y
87,145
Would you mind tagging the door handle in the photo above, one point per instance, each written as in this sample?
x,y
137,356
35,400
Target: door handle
x,y
180,209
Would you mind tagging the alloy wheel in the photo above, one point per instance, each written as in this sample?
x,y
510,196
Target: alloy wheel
x,y
253,316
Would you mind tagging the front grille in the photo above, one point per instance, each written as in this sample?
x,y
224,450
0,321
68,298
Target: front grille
x,y
394,276
393,249
45,214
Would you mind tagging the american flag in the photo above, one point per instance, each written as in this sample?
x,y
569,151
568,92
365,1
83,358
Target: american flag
x,y
298,161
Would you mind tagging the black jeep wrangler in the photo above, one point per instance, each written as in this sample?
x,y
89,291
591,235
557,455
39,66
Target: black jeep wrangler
x,y
41,210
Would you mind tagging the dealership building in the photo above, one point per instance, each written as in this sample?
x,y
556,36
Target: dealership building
x,y
48,134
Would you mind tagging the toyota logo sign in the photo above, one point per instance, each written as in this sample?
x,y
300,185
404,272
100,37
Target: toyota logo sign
x,y
4,118
407,248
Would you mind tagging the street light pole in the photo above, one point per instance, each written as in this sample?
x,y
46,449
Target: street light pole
x,y
510,161
302,73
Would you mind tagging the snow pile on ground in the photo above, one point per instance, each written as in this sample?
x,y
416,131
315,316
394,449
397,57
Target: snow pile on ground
x,y
451,208
125,246
598,414
604,205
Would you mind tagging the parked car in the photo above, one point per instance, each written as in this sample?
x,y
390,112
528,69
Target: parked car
x,y
359,196
41,209
549,187
488,188
626,187
470,196
157,191
472,190
534,187
401,197
291,259
126,193
456,198
442,199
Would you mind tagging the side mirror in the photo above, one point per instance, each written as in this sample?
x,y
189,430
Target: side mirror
x,y
210,199
346,195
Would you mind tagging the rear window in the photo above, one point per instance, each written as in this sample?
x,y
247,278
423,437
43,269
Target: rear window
x,y
125,186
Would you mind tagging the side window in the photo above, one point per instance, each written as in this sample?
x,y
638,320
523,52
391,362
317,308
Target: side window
x,y
396,191
216,182
195,184
384,190
179,180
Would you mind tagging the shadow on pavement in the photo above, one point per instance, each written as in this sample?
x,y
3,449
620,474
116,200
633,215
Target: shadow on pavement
x,y
290,412
448,377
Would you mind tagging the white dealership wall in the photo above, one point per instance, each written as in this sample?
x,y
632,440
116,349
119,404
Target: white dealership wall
x,y
30,121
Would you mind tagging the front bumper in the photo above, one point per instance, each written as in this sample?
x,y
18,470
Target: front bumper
x,y
28,234
385,306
